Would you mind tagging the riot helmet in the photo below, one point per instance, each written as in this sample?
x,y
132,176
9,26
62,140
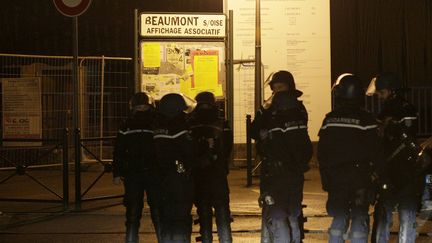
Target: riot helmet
x,y
172,105
206,97
286,80
205,100
206,108
348,90
384,81
140,101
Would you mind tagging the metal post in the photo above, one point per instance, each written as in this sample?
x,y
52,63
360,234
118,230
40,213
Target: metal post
x,y
101,127
65,170
257,55
248,151
76,116
77,169
75,73
230,73
137,77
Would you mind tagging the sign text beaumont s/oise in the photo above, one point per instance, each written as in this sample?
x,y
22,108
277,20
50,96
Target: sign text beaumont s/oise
x,y
183,25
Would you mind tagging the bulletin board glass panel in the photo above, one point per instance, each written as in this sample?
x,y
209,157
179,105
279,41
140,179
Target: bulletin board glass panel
x,y
182,67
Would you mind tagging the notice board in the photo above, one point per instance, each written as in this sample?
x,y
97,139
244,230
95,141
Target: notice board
x,y
22,110
182,67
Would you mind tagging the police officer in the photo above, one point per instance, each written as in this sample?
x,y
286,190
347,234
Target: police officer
x,y
134,162
175,150
285,149
215,141
279,81
402,182
347,149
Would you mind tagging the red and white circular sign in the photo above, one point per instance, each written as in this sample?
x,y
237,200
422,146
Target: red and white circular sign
x,y
72,8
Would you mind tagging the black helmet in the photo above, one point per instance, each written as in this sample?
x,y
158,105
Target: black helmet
x,y
172,105
286,78
205,101
283,100
386,80
348,87
206,97
139,101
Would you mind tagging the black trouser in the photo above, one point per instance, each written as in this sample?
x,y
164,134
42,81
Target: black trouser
x,y
349,209
407,201
135,185
282,218
212,191
176,205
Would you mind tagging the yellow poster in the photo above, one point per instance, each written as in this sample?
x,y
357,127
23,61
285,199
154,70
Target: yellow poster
x,y
151,54
206,72
186,82
185,88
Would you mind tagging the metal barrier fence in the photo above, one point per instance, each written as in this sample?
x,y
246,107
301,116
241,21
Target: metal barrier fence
x,y
86,145
24,165
105,85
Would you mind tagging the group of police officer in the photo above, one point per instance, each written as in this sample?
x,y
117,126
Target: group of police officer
x,y
177,160
363,160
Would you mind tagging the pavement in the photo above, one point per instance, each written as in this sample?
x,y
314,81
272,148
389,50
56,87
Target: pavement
x,y
103,220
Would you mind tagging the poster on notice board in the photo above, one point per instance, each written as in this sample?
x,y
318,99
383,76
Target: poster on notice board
x,y
182,67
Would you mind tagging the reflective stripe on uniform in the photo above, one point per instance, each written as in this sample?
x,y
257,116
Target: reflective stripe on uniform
x,y
335,232
358,235
287,129
171,136
135,131
407,118
349,126
210,126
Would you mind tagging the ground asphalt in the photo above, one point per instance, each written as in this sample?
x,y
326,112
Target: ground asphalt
x,y
103,220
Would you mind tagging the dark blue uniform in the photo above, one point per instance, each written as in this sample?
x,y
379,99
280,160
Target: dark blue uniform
x,y
134,159
347,148
214,139
175,150
405,184
285,149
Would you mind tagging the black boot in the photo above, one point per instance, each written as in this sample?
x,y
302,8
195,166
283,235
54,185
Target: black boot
x,y
132,233
133,217
205,214
223,223
155,216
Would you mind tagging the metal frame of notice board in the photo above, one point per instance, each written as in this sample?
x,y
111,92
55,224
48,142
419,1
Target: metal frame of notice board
x,y
184,53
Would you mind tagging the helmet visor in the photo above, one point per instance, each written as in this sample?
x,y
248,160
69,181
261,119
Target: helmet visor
x,y
371,90
338,80
190,103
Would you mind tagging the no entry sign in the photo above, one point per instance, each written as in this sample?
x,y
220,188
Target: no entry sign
x,y
72,8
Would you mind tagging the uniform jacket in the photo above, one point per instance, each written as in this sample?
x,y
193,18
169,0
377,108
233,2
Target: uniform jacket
x,y
263,114
348,148
399,118
174,144
283,140
134,148
214,139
